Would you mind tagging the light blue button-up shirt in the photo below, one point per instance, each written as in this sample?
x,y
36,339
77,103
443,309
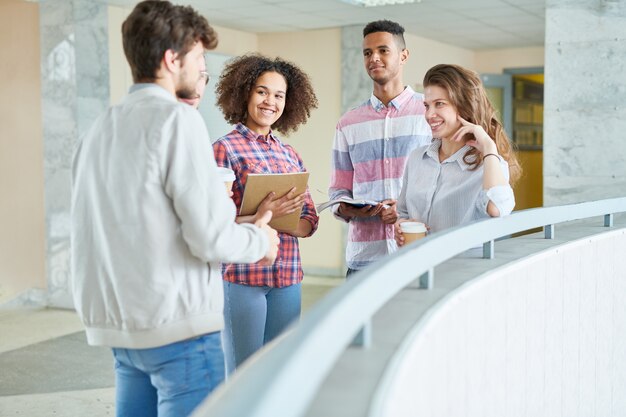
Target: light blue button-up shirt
x,y
447,194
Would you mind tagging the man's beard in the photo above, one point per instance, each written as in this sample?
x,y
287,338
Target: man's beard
x,y
184,89
186,93
380,80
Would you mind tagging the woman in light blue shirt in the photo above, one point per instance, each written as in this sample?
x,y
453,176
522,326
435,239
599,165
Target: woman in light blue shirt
x,y
466,172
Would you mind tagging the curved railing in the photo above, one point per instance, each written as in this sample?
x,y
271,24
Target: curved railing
x,y
282,380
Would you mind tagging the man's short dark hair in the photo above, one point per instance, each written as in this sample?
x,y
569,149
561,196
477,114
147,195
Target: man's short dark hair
x,y
386,26
155,26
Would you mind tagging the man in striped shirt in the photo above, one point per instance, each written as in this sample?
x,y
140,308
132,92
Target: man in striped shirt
x,y
372,143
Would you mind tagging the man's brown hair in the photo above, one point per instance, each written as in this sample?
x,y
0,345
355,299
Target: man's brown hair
x,y
155,26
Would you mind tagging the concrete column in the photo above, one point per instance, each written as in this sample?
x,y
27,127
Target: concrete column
x,y
356,85
585,101
75,90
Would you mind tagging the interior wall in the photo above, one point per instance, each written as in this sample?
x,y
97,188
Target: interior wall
x,y
493,61
22,244
323,252
235,42
426,53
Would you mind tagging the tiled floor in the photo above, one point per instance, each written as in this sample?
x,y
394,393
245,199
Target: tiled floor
x,y
27,336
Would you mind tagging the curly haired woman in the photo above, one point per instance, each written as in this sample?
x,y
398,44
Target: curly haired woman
x,y
262,95
466,172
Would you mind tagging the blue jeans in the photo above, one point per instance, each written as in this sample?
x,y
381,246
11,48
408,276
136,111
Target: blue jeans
x,y
254,316
167,381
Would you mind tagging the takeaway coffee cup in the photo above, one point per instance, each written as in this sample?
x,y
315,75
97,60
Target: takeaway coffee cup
x,y
228,176
412,231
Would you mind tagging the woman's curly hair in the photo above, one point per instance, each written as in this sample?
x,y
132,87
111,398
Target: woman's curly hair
x,y
239,77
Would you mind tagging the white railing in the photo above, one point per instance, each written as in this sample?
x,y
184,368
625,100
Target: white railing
x,y
284,378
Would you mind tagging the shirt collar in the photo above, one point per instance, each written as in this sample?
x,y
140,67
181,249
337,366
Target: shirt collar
x,y
139,86
251,135
150,89
432,151
397,102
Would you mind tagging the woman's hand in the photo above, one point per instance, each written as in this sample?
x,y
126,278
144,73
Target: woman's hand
x,y
492,171
282,206
397,232
482,142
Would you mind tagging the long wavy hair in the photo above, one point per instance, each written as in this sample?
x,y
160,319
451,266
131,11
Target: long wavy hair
x,y
467,94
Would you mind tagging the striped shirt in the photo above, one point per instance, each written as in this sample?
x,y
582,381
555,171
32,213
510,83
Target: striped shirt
x,y
448,194
245,152
371,146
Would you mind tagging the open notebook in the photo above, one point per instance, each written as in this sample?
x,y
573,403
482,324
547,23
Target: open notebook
x,y
348,200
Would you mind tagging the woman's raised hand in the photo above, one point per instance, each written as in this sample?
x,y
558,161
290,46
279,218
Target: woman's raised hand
x,y
481,140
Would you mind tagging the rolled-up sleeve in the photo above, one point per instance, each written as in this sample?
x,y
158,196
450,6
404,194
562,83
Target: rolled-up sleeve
x,y
342,173
309,213
401,207
502,196
221,155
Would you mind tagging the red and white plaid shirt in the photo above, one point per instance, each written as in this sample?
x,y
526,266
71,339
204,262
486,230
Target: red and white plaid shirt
x,y
246,152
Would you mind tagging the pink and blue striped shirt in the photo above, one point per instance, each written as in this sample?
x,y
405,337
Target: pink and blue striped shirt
x,y
371,146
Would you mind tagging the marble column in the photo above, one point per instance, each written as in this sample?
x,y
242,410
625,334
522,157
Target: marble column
x,y
585,101
75,90
356,85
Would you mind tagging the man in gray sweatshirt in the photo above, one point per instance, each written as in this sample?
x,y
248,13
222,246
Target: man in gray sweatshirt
x,y
151,222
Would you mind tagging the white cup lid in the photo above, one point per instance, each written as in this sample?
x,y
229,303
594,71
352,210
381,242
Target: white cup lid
x,y
413,227
226,174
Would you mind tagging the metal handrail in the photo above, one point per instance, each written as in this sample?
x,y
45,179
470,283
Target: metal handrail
x,y
284,377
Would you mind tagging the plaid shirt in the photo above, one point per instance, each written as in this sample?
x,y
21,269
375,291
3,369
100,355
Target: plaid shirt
x,y
245,152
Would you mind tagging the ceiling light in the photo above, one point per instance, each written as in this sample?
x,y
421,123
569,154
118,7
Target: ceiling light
x,y
375,3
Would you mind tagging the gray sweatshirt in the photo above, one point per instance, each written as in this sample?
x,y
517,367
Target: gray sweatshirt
x,y
151,221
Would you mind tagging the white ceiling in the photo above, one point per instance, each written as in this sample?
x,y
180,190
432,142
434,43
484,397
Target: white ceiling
x,y
473,24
